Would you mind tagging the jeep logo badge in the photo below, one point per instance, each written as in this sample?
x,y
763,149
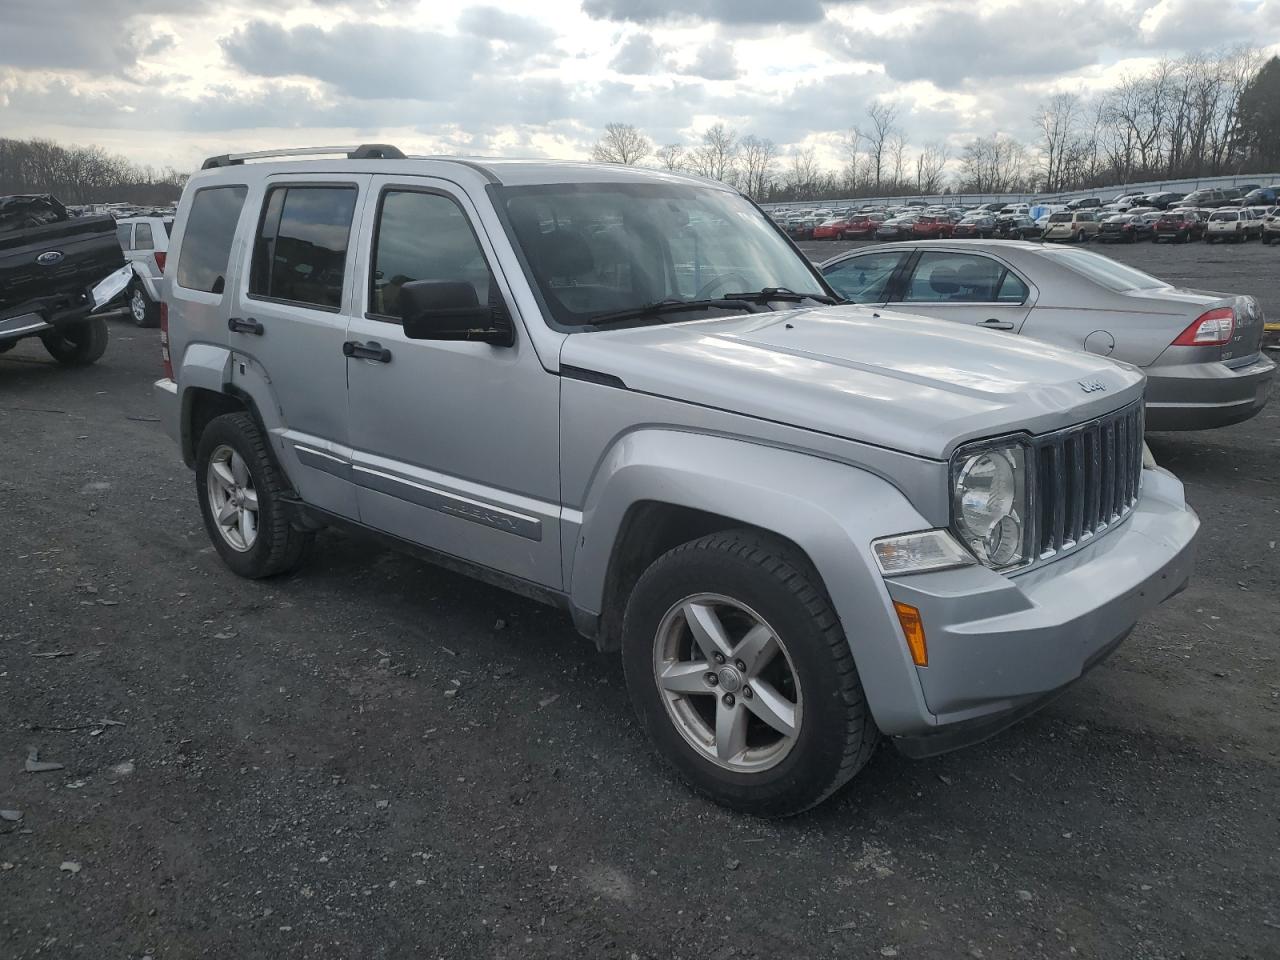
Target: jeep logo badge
x,y
1092,386
49,258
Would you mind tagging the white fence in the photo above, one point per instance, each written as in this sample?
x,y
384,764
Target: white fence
x,y
1104,193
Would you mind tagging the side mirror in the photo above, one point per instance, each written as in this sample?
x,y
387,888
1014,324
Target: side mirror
x,y
450,310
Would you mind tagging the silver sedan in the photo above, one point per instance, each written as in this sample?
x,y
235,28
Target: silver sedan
x,y
1201,351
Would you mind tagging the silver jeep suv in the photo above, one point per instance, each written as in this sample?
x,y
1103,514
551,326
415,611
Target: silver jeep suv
x,y
624,392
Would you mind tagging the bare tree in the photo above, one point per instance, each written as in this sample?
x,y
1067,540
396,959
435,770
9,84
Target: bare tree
x,y
670,157
621,143
881,126
1058,120
718,155
759,156
803,172
896,152
931,165
993,164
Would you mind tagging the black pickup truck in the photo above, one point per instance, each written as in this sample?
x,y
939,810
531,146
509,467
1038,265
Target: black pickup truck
x,y
49,264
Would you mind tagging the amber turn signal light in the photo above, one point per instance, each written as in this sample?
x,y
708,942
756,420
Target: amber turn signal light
x,y
913,630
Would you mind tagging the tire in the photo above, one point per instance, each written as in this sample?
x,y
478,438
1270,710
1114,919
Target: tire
x,y
77,344
144,311
275,546
840,236
747,577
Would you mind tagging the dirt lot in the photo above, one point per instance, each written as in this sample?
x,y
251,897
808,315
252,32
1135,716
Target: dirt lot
x,y
375,758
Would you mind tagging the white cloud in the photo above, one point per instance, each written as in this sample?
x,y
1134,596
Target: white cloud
x,y
170,81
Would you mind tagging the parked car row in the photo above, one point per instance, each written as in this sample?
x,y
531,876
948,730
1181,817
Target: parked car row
x,y
996,219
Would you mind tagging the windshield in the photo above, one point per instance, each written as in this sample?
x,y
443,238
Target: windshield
x,y
595,249
1112,275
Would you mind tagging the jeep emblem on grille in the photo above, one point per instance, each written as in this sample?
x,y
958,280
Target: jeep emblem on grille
x,y
49,258
1092,386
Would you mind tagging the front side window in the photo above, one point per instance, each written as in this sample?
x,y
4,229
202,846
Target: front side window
x,y
142,237
593,249
865,279
955,278
206,243
422,236
300,253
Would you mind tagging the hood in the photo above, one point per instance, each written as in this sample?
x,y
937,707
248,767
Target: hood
x,y
908,383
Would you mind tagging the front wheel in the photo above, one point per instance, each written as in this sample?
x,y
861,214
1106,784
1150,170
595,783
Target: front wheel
x,y
77,344
241,493
740,672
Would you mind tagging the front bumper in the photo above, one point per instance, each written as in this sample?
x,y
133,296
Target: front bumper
x,y
1201,396
1000,647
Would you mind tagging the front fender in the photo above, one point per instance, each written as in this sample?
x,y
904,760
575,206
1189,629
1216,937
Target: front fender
x,y
832,511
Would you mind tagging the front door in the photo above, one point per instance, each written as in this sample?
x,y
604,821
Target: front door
x,y
455,444
965,287
867,278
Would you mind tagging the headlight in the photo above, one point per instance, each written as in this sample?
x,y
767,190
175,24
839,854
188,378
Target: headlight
x,y
989,503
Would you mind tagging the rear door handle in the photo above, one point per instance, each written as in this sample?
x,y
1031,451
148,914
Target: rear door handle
x,y
366,351
994,324
240,325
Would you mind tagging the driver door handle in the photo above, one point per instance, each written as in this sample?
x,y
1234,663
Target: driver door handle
x,y
994,324
366,351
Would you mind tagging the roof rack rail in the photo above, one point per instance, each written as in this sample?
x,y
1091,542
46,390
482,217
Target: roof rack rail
x,y
365,151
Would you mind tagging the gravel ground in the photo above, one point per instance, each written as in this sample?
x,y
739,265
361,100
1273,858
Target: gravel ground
x,y
375,758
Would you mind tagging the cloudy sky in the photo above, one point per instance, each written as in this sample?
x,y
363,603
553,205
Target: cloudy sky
x,y
173,81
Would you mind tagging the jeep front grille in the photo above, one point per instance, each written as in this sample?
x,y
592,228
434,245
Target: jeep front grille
x,y
1087,479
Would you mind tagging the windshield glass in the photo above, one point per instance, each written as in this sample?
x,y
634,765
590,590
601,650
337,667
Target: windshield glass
x,y
1112,275
601,248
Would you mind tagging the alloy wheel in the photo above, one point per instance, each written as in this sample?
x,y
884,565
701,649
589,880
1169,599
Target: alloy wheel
x,y
233,500
727,682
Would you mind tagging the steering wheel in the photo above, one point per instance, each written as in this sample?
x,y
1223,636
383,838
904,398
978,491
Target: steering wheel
x,y
719,281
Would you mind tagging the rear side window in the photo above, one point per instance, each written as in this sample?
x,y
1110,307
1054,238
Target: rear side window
x,y
300,253
124,233
142,237
422,236
206,245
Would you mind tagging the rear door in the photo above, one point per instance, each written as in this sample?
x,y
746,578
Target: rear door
x,y
288,321
966,287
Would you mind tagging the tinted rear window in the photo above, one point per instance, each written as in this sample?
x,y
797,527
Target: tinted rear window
x,y
206,245
300,254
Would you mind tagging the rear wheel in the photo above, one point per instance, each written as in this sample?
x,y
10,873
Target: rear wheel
x,y
741,674
77,344
144,311
242,500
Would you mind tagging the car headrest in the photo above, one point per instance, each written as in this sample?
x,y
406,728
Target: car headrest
x,y
943,280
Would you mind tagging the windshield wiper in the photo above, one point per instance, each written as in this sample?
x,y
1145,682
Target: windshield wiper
x,y
669,305
779,293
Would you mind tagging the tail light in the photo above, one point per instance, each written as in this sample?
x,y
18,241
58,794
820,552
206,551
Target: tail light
x,y
165,359
1211,329
160,261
